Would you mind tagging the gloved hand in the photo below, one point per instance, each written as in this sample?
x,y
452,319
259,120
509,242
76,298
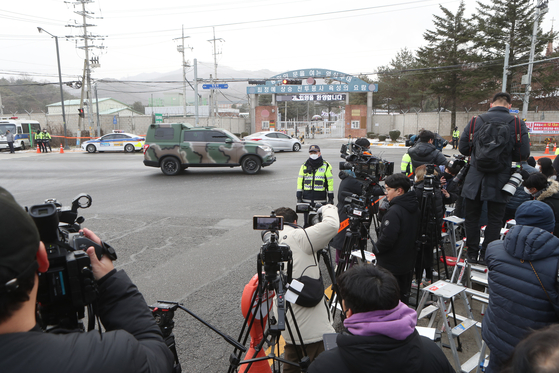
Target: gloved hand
x,y
330,198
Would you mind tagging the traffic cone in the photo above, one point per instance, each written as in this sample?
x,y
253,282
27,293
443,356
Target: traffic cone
x,y
61,149
546,149
38,149
554,147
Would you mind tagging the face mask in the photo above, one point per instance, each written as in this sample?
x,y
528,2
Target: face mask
x,y
527,191
538,167
314,157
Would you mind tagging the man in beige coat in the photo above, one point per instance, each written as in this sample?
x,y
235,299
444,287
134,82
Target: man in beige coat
x,y
313,322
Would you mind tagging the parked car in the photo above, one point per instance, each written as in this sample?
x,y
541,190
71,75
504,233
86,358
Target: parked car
x,y
112,142
276,140
176,146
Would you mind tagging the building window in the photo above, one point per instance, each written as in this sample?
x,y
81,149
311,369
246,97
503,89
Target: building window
x,y
355,124
265,124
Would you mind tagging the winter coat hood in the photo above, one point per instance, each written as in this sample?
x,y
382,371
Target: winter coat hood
x,y
551,189
397,323
407,200
530,243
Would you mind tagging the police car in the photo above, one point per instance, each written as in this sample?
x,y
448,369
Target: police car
x,y
114,142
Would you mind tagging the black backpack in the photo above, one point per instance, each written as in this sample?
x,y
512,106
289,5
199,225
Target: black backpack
x,y
491,145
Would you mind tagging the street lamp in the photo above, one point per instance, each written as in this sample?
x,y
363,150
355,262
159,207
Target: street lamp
x,y
60,81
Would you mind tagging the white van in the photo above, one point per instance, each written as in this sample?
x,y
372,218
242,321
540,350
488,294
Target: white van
x,y
23,130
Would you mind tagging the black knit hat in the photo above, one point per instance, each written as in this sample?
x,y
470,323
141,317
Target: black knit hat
x,y
19,242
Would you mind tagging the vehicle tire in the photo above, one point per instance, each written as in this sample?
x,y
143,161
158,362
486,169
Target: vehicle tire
x,y
129,148
91,148
170,166
251,164
296,147
22,145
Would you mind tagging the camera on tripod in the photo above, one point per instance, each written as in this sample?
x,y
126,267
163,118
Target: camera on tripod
x,y
311,210
67,287
271,251
356,207
364,165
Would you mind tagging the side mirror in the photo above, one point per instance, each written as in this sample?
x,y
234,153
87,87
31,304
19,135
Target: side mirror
x,y
228,140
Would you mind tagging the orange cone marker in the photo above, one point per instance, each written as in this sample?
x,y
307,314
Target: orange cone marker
x,y
38,149
546,149
61,149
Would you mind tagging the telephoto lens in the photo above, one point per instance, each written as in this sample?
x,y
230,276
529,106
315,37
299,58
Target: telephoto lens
x,y
513,183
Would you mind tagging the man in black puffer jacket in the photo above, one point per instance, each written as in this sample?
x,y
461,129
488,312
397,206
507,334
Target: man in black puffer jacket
x,y
425,152
380,334
132,342
398,230
523,292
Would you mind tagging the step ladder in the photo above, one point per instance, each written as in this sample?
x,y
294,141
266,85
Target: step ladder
x,y
452,223
442,292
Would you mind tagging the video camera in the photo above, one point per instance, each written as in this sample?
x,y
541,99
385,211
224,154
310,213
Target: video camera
x,y
67,287
357,207
311,210
363,164
271,252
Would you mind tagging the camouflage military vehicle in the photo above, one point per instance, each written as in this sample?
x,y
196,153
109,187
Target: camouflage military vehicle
x,y
177,146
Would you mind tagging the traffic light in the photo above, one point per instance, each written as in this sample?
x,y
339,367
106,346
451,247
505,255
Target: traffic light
x,y
292,81
80,113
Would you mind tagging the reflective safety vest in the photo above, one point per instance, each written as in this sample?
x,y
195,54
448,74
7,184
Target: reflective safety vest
x,y
315,185
46,135
406,166
455,133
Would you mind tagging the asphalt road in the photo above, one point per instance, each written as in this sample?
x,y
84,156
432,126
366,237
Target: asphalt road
x,y
186,238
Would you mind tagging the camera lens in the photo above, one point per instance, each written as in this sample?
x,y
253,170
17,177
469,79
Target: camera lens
x,y
513,183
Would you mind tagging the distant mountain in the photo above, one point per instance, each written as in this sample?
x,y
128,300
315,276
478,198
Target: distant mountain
x,y
141,87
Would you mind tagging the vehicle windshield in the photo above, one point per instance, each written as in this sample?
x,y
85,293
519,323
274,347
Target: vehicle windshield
x,y
7,126
235,138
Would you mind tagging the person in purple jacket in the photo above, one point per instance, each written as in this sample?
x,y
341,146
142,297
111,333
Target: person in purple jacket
x,y
380,333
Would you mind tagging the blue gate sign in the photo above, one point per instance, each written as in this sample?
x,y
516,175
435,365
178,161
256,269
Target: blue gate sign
x,y
215,86
514,111
114,119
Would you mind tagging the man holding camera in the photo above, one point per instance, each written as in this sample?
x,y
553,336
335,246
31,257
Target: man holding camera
x,y
482,184
315,183
423,152
313,320
132,342
380,333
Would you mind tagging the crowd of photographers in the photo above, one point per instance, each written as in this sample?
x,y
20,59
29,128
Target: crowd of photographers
x,y
380,330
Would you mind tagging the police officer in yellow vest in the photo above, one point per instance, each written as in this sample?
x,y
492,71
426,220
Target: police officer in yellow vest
x,y
455,138
46,140
315,183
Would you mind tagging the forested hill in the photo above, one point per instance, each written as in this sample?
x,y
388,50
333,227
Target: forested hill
x,y
21,94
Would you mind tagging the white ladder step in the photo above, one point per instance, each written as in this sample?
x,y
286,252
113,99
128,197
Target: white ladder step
x,y
462,327
427,311
471,364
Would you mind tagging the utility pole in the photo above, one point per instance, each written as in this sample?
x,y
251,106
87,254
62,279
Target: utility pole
x,y
196,100
1,106
86,47
540,10
506,67
213,92
185,65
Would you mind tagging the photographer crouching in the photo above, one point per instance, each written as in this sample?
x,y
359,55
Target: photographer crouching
x,y
132,341
313,320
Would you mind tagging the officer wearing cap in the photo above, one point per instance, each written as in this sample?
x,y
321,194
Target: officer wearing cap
x,y
132,342
315,183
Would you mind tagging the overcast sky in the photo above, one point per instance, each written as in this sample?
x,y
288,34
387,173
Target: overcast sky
x,y
352,36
